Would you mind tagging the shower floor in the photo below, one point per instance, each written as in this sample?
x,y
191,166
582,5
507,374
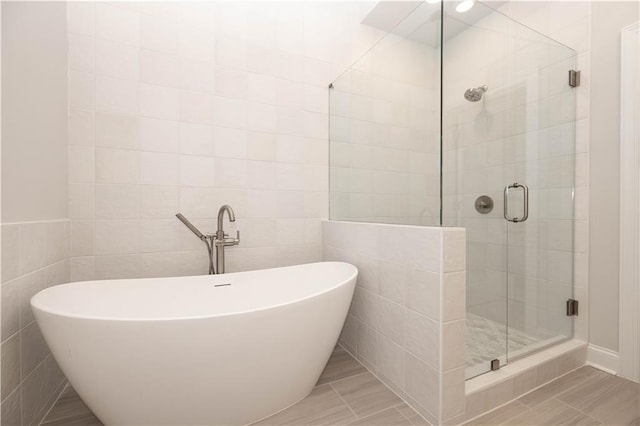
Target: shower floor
x,y
486,340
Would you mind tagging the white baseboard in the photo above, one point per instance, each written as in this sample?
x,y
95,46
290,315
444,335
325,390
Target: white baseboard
x,y
603,359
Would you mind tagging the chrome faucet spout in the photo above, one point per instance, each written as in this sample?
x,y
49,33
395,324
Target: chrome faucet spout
x,y
232,218
222,240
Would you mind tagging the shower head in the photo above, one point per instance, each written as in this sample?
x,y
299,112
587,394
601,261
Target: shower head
x,y
475,94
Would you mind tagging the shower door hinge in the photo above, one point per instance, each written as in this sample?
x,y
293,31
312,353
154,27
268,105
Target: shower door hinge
x,y
572,307
574,78
495,364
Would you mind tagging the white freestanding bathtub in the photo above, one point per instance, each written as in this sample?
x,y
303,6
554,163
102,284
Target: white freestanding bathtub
x,y
205,350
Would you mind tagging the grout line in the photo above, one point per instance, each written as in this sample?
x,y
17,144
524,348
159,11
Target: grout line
x,y
385,385
343,401
55,402
579,411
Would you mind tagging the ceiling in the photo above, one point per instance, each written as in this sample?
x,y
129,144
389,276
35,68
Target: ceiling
x,y
420,21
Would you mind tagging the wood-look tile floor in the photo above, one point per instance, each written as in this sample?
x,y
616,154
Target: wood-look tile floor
x,y
583,397
346,394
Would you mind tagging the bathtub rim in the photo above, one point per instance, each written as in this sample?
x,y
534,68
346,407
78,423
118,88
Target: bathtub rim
x,y
38,306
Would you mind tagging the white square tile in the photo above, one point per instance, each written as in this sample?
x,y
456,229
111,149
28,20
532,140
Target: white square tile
x,y
453,349
10,252
367,345
196,44
81,54
230,143
81,18
81,200
453,296
117,266
231,52
82,89
159,102
116,201
261,88
298,231
231,83
116,60
81,127
32,246
197,139
159,69
117,237
393,280
422,338
82,241
159,135
453,396
159,34
197,171
391,361
159,202
197,75
159,235
392,320
81,164
229,113
116,131
422,293
159,168
57,241
196,107
82,268
117,24
117,95
261,146
116,166
230,173
421,382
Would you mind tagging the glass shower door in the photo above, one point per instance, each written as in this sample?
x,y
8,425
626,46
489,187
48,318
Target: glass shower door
x,y
539,187
508,172
475,113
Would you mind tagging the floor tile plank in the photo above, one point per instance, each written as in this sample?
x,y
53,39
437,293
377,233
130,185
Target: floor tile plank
x,y
388,417
322,407
609,399
340,366
365,394
553,412
500,415
68,405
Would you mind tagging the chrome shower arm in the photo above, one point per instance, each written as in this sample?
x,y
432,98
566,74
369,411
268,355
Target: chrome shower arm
x,y
191,226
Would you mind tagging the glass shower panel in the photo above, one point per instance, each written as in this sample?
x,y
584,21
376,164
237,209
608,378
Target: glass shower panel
x,y
508,169
475,126
384,128
539,156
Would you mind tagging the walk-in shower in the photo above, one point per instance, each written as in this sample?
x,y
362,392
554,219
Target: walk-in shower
x,y
407,148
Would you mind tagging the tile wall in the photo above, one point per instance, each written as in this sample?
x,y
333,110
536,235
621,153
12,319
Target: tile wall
x,y
35,255
569,24
486,148
186,106
408,309
384,129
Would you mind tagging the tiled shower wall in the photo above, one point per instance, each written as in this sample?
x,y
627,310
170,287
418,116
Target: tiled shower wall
x,y
35,255
385,145
408,309
186,106
483,148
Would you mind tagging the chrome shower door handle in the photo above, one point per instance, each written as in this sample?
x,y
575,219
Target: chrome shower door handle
x,y
525,205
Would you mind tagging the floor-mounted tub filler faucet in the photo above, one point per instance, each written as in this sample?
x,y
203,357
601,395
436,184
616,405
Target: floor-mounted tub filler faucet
x,y
215,242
